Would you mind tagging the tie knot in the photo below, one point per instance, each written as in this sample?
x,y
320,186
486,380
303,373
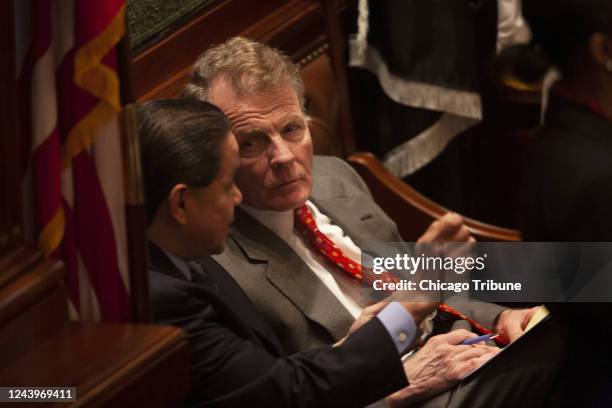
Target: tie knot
x,y
304,221
302,211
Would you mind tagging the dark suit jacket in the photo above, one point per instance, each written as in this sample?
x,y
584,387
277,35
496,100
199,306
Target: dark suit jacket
x,y
567,188
236,360
567,196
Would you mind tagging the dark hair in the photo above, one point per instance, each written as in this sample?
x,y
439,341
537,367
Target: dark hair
x,y
562,27
180,142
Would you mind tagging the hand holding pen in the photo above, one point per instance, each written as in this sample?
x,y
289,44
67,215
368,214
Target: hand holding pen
x,y
478,339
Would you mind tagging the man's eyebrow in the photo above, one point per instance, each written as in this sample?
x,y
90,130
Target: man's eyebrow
x,y
248,131
294,118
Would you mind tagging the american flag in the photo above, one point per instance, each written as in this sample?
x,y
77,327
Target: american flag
x,y
73,185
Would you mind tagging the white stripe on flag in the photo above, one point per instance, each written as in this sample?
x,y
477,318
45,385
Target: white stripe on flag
x,y
90,308
44,102
44,106
109,165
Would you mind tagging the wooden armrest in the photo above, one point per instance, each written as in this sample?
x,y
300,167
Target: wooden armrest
x,y
411,211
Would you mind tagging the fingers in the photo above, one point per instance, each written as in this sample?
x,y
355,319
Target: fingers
x,y
458,354
461,234
453,338
510,323
366,315
466,353
464,362
528,316
375,308
451,225
461,249
420,310
449,228
484,354
513,331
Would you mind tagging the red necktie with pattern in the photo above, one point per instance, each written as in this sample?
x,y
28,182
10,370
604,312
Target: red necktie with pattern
x,y
304,222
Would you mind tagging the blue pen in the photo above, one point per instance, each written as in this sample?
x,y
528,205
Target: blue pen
x,y
478,339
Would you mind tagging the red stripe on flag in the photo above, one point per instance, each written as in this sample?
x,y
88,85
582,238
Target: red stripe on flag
x,y
110,59
47,168
41,28
92,17
96,241
74,103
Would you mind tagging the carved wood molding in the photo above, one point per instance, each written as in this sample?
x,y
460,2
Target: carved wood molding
x,y
296,27
25,276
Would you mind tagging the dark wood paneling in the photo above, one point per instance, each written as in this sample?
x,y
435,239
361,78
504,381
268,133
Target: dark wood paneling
x,y
34,277
33,325
10,193
338,54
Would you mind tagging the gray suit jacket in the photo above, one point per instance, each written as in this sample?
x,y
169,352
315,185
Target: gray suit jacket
x,y
299,307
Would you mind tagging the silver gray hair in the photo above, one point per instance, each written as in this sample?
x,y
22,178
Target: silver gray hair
x,y
251,67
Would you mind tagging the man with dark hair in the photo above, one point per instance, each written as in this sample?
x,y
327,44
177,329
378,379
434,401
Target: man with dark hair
x,y
189,159
193,171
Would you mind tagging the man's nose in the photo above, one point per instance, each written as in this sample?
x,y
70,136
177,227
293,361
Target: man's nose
x,y
280,153
237,196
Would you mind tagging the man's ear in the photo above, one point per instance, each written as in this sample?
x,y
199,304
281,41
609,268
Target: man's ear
x,y
176,203
600,48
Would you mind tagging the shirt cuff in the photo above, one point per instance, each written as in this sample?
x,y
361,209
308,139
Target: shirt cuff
x,y
399,324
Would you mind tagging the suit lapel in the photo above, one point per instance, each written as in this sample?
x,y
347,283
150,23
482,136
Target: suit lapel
x,y
160,262
224,293
233,294
290,275
356,220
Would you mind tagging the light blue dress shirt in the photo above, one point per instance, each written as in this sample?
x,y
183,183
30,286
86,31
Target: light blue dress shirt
x,y
399,324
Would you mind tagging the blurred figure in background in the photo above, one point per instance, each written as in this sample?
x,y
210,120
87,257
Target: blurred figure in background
x,y
568,178
567,189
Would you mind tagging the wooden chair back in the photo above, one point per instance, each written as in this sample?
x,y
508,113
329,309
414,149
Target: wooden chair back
x,y
412,211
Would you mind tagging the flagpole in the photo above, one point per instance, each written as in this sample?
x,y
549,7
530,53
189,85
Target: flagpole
x,y
135,212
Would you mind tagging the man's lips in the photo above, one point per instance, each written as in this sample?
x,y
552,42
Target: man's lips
x,y
286,183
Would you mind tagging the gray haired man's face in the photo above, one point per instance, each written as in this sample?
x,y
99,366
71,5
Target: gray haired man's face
x,y
275,146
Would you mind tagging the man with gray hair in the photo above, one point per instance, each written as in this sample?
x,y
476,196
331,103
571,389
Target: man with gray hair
x,y
306,292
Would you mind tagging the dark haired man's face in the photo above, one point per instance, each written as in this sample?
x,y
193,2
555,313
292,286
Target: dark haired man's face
x,y
274,143
213,211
